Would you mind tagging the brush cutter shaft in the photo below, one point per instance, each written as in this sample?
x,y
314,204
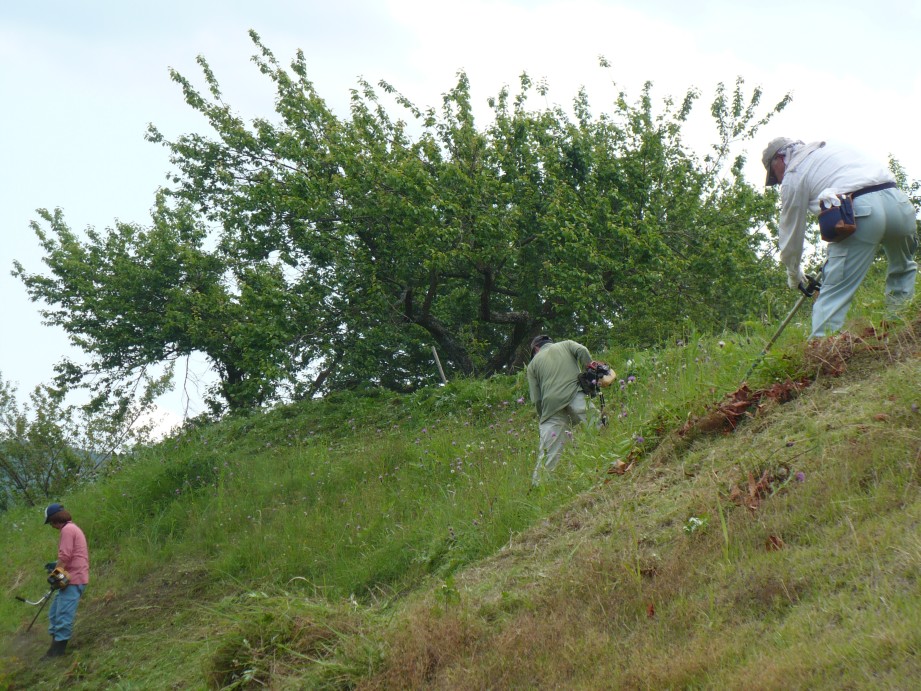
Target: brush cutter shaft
x,y
813,284
783,326
36,615
41,607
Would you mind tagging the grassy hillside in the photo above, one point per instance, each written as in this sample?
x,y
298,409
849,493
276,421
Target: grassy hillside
x,y
382,541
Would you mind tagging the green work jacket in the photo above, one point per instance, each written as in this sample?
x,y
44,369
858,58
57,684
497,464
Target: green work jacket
x,y
553,376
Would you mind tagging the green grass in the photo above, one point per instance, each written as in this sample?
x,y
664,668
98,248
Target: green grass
x,y
380,541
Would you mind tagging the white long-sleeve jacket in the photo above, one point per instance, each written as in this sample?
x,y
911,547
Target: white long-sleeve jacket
x,y
824,166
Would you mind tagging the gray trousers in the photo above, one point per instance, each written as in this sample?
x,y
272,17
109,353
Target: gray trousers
x,y
885,218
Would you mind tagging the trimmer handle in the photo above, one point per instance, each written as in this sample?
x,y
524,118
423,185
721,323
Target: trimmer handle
x,y
813,283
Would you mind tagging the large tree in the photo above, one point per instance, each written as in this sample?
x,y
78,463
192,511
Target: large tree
x,y
320,251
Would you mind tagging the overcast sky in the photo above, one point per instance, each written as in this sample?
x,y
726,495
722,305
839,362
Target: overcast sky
x,y
80,81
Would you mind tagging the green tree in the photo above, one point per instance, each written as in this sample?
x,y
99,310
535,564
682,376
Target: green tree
x,y
135,297
341,249
475,239
47,445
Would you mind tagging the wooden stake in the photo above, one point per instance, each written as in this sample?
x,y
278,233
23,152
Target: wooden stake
x,y
438,362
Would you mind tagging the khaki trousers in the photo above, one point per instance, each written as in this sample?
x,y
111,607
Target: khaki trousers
x,y
556,430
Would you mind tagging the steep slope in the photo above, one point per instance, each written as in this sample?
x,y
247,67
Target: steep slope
x,y
783,555
387,542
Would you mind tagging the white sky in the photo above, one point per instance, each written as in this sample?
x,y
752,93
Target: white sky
x,y
80,81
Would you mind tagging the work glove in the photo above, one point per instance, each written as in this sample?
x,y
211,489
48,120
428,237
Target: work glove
x,y
796,278
828,198
51,566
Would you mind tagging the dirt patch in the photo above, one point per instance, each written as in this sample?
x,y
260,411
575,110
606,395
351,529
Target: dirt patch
x,y
154,591
829,356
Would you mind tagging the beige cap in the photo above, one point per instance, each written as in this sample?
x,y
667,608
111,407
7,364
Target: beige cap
x,y
773,147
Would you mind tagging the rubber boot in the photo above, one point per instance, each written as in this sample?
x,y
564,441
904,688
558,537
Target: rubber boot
x,y
57,649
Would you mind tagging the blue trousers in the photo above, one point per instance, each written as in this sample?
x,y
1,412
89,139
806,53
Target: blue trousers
x,y
63,611
885,218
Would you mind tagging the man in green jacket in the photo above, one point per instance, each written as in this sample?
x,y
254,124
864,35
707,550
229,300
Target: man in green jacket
x,y
553,381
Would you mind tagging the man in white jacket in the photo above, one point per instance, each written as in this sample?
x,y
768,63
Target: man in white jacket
x,y
810,173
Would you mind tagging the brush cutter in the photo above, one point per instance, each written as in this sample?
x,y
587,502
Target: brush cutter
x,y
597,375
813,283
58,579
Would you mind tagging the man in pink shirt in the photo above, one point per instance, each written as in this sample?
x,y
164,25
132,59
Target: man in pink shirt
x,y
74,560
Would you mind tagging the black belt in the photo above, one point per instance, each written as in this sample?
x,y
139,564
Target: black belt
x,y
873,188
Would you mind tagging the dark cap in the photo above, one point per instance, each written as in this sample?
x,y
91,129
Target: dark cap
x,y
539,341
51,510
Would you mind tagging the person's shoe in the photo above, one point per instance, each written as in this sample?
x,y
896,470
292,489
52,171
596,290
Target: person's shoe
x,y
57,649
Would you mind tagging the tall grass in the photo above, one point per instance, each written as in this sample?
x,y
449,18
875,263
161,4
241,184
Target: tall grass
x,y
362,498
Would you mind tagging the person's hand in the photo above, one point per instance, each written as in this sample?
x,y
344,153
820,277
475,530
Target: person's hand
x,y
51,566
810,287
796,278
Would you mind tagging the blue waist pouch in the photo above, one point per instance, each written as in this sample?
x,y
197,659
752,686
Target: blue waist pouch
x,y
837,222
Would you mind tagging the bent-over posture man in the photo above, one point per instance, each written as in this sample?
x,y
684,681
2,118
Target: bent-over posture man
x,y
553,380
810,173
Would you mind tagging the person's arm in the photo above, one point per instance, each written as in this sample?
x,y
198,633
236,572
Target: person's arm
x,y
534,389
65,548
792,229
580,353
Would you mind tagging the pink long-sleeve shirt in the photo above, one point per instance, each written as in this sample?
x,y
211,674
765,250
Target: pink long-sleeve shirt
x,y
73,554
